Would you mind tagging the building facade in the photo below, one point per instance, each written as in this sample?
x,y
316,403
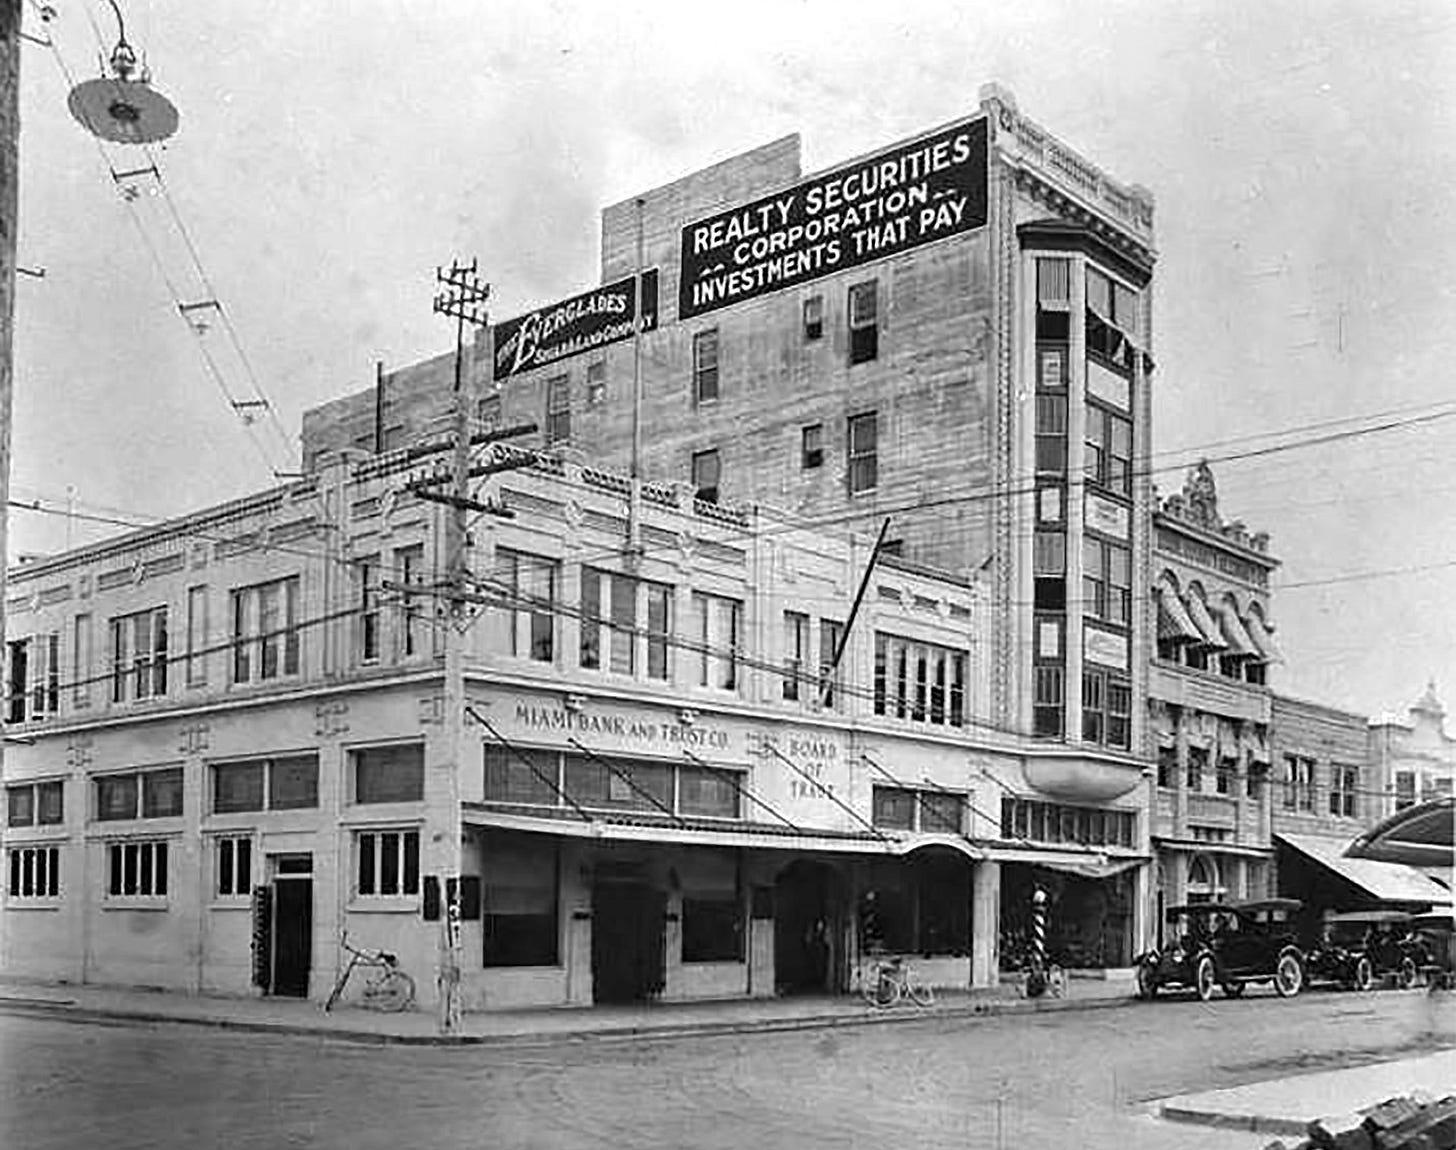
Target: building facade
x,y
1415,756
951,334
228,749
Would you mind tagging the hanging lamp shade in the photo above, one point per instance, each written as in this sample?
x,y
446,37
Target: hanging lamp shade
x,y
123,111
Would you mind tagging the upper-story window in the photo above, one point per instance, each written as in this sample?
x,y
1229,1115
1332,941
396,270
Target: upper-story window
x,y
34,667
389,774
1106,581
811,446
285,783
814,317
36,804
796,652
596,383
488,411
1106,708
864,322
531,611
1405,789
864,469
368,628
1344,790
930,812
718,635
636,617
409,564
1051,433
1298,783
707,474
153,794
265,631
1109,451
1112,301
139,655
705,366
558,409
197,630
923,682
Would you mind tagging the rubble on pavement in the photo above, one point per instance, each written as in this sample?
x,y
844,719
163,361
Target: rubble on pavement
x,y
1417,1121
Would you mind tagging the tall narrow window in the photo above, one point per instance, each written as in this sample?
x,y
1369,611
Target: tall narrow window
x,y
532,609
196,636
596,383
707,471
814,317
811,447
17,666
45,677
864,322
863,452
831,634
719,635
81,662
590,655
796,649
139,655
659,628
367,574
705,366
1051,434
1048,701
558,409
410,564
265,631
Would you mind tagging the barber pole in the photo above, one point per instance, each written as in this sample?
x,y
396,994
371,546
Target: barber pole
x,y
1036,981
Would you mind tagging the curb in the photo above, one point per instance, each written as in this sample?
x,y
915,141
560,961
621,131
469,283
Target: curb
x,y
1254,1123
73,1011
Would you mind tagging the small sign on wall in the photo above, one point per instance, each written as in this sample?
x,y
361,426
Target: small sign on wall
x,y
1108,516
1107,648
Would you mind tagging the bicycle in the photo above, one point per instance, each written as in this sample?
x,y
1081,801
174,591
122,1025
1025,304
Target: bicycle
x,y
887,981
391,990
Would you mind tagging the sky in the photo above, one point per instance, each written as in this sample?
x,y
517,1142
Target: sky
x,y
332,154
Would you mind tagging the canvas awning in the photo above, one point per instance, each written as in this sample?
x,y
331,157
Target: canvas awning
x,y
1233,631
1259,633
1090,864
1383,881
1174,621
1211,635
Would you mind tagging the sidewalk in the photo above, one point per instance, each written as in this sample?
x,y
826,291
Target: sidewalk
x,y
520,1027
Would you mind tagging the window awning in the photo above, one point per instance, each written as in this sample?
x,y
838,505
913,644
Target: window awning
x,y
1174,621
1259,633
1198,612
1233,630
1382,881
1091,864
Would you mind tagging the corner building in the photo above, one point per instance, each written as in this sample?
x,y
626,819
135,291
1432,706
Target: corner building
x,y
952,333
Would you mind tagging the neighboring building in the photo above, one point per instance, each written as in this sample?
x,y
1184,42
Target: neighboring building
x,y
1209,701
1417,758
227,748
951,333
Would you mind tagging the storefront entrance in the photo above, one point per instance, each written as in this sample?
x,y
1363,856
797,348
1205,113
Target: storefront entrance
x,y
1089,921
627,941
292,924
808,929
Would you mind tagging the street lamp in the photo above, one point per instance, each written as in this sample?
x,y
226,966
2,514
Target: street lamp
x,y
118,108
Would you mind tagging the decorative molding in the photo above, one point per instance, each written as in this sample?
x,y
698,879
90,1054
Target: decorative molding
x,y
331,719
78,751
432,710
193,738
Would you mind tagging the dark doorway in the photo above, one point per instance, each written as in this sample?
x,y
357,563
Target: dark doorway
x,y
292,926
627,941
808,929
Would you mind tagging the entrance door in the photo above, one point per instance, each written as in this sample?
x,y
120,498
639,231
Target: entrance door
x,y
292,925
807,929
627,941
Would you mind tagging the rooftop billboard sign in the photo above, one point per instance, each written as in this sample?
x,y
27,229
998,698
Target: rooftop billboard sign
x,y
883,205
582,323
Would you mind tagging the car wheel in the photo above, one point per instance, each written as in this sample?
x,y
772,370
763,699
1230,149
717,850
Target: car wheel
x,y
1288,976
1407,973
1364,974
1203,978
1147,981
1233,989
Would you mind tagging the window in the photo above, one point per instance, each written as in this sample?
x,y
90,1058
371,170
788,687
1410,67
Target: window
x,y
409,563
712,908
811,447
35,872
705,366
814,317
718,629
1054,284
289,783
831,634
539,778
488,412
1405,790
21,804
36,804
1167,766
81,662
292,783
196,636
520,875
35,677
558,410
234,867
1114,303
613,601
1196,766
931,812
265,630
618,784
796,652
712,791
1051,434
137,869
923,682
139,655
238,787
1344,790
707,473
894,807
366,576
532,609
18,679
864,330
1253,778
1223,781
1106,581
1036,821
1048,705
596,383
159,791
863,452
1109,451
387,863
1255,672
1298,783
393,774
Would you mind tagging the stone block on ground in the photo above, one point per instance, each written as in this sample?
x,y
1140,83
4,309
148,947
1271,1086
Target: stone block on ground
x,y
1431,1126
1341,1132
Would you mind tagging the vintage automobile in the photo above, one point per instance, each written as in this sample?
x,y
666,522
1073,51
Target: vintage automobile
x,y
1228,945
1358,948
1435,935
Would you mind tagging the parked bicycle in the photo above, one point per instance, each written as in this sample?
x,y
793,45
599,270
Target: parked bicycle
x,y
887,981
390,989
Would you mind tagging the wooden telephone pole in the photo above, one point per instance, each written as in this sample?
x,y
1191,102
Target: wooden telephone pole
x,y
9,209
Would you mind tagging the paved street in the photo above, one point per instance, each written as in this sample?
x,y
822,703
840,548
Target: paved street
x,y
938,1083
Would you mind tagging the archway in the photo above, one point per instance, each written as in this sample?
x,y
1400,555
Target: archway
x,y
809,929
1203,879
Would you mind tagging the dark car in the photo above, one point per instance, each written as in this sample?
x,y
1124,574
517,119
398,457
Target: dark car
x,y
1434,946
1357,948
1228,945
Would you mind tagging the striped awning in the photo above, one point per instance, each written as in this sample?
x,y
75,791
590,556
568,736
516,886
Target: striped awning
x,y
1259,633
1174,621
1233,630
1212,636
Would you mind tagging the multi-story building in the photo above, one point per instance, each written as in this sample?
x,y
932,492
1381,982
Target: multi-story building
x,y
228,746
1415,757
1210,701
951,334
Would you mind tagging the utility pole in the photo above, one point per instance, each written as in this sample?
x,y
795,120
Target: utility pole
x,y
462,298
9,210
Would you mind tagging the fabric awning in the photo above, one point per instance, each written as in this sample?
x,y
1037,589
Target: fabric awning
x,y
1174,621
1092,864
1259,633
1383,881
1198,612
1233,630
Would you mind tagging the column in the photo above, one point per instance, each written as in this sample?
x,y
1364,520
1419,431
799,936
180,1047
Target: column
x,y
985,923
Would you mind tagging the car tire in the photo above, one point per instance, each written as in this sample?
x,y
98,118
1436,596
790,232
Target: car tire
x,y
1203,980
1147,981
1364,977
1288,976
1233,989
1407,973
